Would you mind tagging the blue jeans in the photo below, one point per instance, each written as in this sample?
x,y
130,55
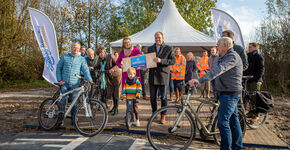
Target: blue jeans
x,y
177,85
212,82
65,88
159,95
153,95
228,123
171,90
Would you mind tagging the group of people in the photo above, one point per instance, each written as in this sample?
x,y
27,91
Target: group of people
x,y
224,69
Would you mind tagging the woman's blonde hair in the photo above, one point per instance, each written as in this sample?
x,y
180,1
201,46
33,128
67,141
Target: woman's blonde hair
x,y
124,39
131,69
177,48
190,54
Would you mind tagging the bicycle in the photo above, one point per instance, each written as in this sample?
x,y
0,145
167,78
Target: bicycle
x,y
89,119
180,125
247,96
129,118
205,110
96,89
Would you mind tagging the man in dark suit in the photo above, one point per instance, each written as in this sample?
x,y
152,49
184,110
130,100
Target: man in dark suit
x,y
159,76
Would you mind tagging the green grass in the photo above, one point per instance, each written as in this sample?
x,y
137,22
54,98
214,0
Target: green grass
x,y
14,85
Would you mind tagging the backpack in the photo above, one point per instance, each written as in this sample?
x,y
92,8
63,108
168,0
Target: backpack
x,y
264,101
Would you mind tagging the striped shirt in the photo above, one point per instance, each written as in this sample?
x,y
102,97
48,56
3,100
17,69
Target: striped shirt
x,y
133,91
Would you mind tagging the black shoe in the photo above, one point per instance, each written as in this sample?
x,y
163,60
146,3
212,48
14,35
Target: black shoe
x,y
112,110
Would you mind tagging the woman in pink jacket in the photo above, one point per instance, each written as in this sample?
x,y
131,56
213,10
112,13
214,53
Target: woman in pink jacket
x,y
127,51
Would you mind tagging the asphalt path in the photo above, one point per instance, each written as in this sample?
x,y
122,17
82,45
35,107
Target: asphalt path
x,y
54,141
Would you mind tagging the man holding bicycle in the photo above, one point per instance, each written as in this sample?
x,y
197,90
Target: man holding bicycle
x,y
228,81
256,69
69,65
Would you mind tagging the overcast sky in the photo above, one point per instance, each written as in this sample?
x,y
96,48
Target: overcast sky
x,y
248,14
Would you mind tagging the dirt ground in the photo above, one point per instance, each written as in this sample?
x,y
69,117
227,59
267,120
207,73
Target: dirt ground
x,y
19,108
279,118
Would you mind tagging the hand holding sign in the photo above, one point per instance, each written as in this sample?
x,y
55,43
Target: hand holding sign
x,y
157,60
140,62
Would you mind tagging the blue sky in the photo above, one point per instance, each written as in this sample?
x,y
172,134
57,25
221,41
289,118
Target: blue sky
x,y
248,14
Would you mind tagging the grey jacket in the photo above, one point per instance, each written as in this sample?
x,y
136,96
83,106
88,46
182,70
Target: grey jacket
x,y
213,61
228,74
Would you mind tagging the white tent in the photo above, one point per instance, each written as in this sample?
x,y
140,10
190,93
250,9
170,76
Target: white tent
x,y
177,32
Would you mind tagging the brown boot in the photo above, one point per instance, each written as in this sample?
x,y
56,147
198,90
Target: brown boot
x,y
162,119
201,93
177,97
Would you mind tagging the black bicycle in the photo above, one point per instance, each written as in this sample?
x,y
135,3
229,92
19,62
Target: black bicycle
x,y
260,117
129,118
95,91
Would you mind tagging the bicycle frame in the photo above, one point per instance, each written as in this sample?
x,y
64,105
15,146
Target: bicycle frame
x,y
129,105
192,109
80,91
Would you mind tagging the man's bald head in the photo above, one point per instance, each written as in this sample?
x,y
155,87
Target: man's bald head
x,y
75,48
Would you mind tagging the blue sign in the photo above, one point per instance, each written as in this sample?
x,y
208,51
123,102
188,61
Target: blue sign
x,y
139,62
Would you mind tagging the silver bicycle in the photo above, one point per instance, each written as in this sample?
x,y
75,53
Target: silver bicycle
x,y
90,117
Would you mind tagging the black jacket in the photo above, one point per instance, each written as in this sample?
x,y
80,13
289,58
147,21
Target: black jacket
x,y
190,69
256,66
160,74
240,50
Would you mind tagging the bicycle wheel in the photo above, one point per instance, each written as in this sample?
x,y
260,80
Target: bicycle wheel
x,y
242,120
49,118
160,135
255,123
95,94
90,124
204,112
129,119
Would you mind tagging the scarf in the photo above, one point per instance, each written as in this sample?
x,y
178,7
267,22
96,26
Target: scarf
x,y
131,81
103,77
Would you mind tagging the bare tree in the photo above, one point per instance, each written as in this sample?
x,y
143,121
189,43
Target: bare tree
x,y
274,38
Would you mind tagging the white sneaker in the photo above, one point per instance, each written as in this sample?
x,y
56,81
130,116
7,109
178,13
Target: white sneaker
x,y
137,123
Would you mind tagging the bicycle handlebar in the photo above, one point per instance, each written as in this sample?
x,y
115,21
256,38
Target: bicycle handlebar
x,y
79,76
247,77
104,71
82,78
187,85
